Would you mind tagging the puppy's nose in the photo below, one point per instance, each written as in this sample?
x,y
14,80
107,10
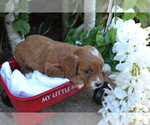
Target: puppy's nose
x,y
97,84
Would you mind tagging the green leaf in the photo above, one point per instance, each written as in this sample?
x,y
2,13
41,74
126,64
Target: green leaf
x,y
78,31
142,18
99,17
108,58
94,31
83,35
75,32
128,16
99,4
71,40
24,6
101,49
112,33
46,26
99,38
25,17
128,4
70,33
88,41
107,37
21,24
2,2
142,5
72,20
104,49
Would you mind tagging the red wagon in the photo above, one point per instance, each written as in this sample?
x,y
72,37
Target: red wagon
x,y
43,100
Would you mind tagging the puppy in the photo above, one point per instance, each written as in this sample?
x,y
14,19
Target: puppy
x,y
82,65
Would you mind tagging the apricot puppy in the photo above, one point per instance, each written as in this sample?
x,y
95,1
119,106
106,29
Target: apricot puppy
x,y
82,65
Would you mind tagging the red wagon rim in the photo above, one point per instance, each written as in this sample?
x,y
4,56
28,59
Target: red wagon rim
x,y
27,98
33,97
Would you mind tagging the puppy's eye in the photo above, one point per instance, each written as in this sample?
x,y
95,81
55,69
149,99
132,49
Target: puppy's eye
x,y
87,71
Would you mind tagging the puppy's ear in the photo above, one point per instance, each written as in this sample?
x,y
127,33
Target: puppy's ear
x,y
69,64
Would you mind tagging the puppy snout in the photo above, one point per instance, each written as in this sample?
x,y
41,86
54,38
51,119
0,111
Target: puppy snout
x,y
97,84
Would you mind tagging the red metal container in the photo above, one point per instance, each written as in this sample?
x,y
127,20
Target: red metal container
x,y
40,101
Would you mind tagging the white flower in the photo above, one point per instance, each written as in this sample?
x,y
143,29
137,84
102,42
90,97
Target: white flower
x,y
125,119
119,93
106,68
141,118
117,23
120,10
132,90
135,35
147,29
123,50
109,100
114,75
103,110
123,79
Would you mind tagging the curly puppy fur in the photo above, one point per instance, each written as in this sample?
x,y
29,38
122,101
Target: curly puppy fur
x,y
82,65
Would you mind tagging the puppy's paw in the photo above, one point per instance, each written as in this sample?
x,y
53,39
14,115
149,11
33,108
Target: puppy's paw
x,y
77,81
80,86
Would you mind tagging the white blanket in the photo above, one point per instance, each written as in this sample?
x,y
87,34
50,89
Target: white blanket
x,y
29,85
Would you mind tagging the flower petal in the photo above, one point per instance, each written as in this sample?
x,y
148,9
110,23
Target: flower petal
x,y
119,93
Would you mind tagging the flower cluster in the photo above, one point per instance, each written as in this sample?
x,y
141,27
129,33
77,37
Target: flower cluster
x,y
132,91
125,119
